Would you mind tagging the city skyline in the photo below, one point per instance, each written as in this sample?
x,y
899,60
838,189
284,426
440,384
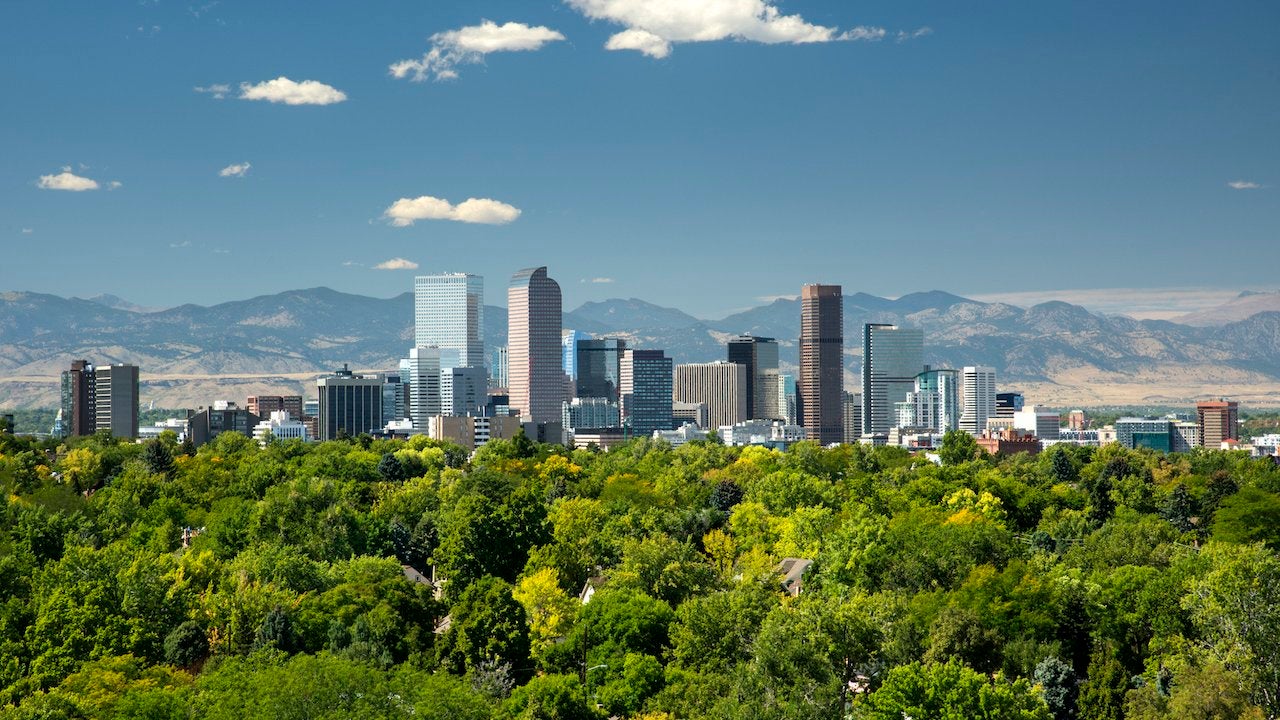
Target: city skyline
x,y
1047,127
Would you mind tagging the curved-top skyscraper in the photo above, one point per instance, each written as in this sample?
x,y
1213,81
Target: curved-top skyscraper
x,y
536,381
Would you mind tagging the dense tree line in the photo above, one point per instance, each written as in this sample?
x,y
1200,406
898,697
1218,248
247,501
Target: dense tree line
x,y
294,581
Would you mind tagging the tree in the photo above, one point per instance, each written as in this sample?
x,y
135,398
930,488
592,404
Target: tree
x,y
951,692
186,645
550,609
551,697
276,631
1062,468
1103,690
157,458
958,447
1180,509
1251,515
391,469
488,625
1058,683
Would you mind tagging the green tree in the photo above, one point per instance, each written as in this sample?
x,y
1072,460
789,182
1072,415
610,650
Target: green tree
x,y
186,645
1251,515
951,692
1058,684
157,458
958,447
1103,690
487,625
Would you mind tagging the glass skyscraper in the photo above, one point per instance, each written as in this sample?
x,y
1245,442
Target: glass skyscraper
x,y
599,364
892,356
760,356
448,312
534,349
645,387
820,394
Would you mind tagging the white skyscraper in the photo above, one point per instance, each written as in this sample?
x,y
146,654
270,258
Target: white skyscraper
x,y
449,314
978,398
421,370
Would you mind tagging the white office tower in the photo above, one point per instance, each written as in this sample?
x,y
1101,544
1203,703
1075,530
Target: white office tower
x,y
934,404
448,313
421,370
978,393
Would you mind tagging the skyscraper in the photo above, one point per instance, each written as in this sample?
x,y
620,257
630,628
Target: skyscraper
x,y
721,386
115,399
978,403
760,356
892,356
348,403
935,401
569,346
1218,420
645,388
421,370
536,365
78,414
448,313
599,364
820,393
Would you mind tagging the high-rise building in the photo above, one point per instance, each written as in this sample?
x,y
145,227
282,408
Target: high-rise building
x,y
852,417
1008,403
722,386
892,356
1076,419
348,404
536,364
820,395
448,312
421,370
115,399
760,356
644,388
205,424
978,402
395,397
463,391
787,398
599,364
569,340
1218,420
590,413
1145,432
1044,424
935,401
78,413
499,377
264,405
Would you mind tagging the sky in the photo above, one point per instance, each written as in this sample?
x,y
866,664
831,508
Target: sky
x,y
701,154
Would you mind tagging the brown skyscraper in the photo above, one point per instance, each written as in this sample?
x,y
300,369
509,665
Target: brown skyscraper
x,y
1219,420
534,353
821,387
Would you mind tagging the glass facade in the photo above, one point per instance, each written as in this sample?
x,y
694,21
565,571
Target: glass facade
x,y
646,391
599,364
449,314
892,356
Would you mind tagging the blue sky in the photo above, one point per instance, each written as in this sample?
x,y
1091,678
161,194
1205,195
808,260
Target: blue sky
x,y
974,147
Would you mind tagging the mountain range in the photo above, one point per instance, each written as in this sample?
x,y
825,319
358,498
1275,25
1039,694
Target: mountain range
x,y
1054,351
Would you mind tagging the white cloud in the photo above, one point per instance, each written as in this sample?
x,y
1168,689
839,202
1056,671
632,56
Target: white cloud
x,y
905,35
396,264
183,244
218,91
1243,185
405,211
652,26
774,298
600,281
67,180
27,231
115,185
469,45
236,170
289,92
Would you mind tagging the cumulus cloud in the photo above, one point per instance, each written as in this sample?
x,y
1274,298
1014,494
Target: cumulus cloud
x,y
396,264
289,92
236,170
653,26
905,35
1243,185
67,180
600,281
405,211
115,185
218,91
183,244
27,231
470,45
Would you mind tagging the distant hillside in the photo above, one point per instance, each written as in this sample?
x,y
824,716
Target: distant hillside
x,y
286,338
1241,307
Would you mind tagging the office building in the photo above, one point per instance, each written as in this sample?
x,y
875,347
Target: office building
x,y
395,397
1008,403
421,370
1044,424
448,313
206,423
1076,419
721,386
768,433
590,413
1145,432
1008,441
683,413
852,417
463,390
978,402
349,404
115,400
759,355
599,367
686,433
472,432
498,376
281,426
535,359
645,391
264,405
1218,420
569,340
820,398
787,398
1185,436
933,403
78,414
892,356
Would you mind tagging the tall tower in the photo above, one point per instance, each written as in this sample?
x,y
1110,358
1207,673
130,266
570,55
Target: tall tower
x,y
721,386
644,385
448,313
536,364
599,364
115,398
821,391
421,371
1218,420
978,398
760,356
892,356
78,413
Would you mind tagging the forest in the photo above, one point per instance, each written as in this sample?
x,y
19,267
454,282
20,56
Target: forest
x,y
367,578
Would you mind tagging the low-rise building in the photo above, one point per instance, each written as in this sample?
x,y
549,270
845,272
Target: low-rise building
x,y
769,433
472,432
282,426
1009,441
687,432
